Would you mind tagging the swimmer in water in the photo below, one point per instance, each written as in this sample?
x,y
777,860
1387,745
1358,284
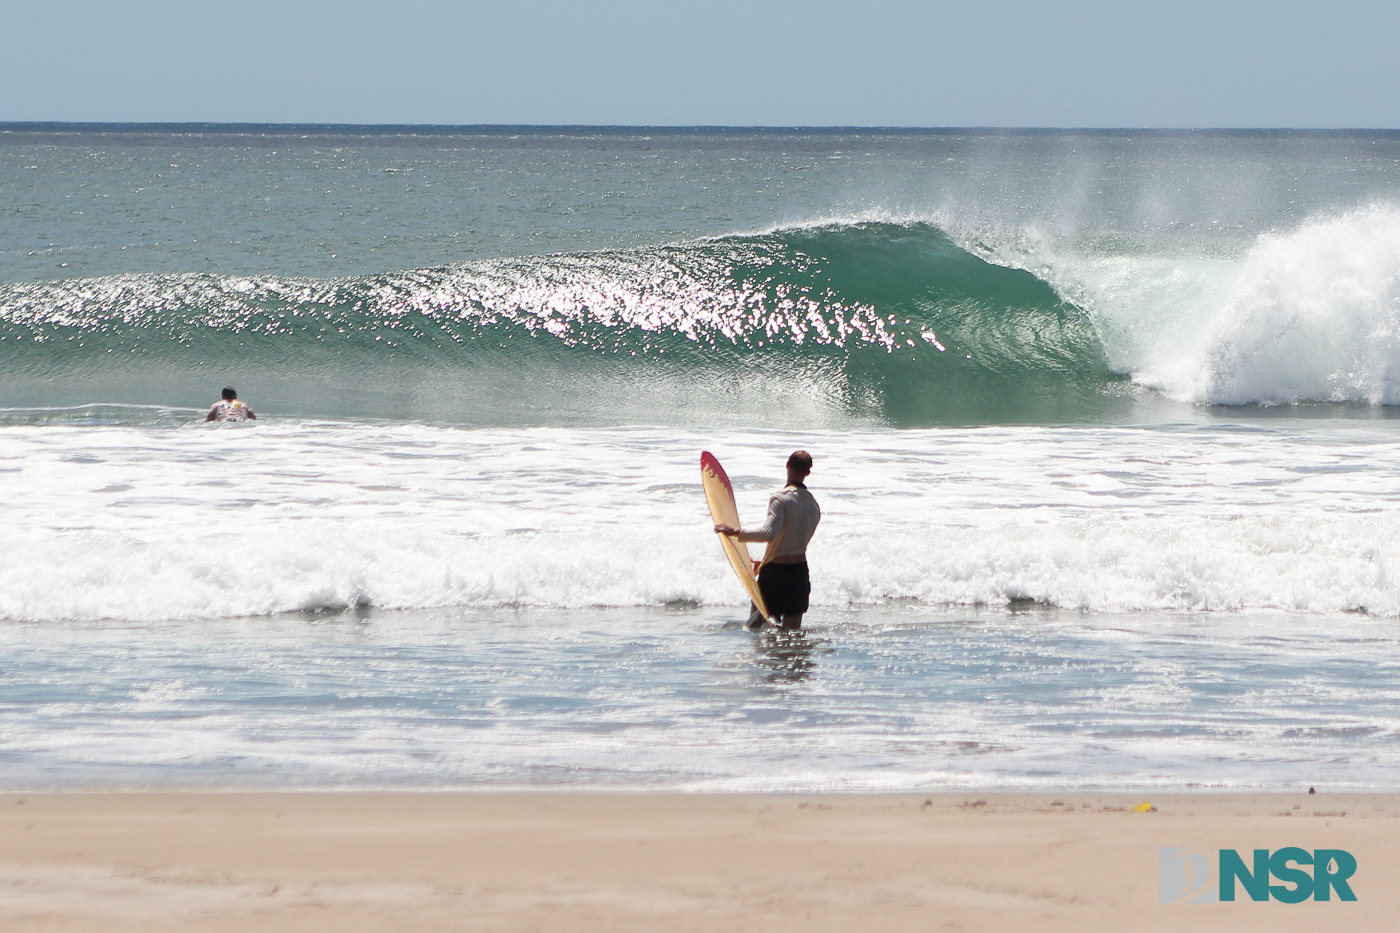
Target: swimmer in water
x,y
229,408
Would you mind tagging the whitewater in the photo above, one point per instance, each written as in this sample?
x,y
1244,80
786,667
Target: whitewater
x,y
1103,429
195,523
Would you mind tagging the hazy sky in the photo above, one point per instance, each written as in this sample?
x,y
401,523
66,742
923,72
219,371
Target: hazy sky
x,y
1173,63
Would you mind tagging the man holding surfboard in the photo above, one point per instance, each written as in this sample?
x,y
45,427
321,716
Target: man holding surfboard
x,y
792,518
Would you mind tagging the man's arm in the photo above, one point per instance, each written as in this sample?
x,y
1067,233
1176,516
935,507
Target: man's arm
x,y
772,524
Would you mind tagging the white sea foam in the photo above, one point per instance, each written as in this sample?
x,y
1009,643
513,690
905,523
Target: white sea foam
x,y
1310,313
146,524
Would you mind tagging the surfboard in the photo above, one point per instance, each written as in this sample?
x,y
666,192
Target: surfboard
x,y
720,495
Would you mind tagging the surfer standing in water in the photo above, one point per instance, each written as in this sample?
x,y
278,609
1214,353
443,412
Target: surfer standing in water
x,y
229,408
792,518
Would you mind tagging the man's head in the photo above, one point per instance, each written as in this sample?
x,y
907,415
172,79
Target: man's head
x,y
230,394
799,465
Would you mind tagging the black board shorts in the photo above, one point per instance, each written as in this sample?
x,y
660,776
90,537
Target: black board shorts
x,y
785,588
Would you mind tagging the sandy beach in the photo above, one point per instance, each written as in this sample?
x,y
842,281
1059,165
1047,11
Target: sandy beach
x,y
581,861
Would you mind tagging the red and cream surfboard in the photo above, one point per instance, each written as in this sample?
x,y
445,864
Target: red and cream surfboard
x,y
720,494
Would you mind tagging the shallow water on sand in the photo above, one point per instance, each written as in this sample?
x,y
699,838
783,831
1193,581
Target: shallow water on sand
x,y
681,698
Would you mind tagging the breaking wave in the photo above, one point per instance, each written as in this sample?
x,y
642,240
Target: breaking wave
x,y
897,323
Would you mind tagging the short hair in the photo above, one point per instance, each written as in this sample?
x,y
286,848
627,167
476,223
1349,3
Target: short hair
x,y
229,393
800,460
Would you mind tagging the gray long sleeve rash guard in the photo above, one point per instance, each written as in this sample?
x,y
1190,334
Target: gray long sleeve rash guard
x,y
792,518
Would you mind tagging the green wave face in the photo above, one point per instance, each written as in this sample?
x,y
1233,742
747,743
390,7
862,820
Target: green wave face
x,y
870,321
972,341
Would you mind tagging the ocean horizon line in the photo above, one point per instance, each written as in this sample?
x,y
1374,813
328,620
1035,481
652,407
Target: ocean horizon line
x,y
447,129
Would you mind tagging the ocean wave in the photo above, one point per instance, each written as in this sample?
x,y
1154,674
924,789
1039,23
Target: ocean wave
x,y
1308,314
892,320
205,522
1136,564
1301,566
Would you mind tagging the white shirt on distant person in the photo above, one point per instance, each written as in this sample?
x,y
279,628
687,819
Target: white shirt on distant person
x,y
230,409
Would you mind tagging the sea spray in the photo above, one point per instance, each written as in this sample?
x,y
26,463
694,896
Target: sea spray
x,y
1307,314
1312,314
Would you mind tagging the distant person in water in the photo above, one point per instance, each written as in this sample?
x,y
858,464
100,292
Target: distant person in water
x,y
792,518
229,408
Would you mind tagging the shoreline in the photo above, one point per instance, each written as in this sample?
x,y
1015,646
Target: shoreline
x,y
581,860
